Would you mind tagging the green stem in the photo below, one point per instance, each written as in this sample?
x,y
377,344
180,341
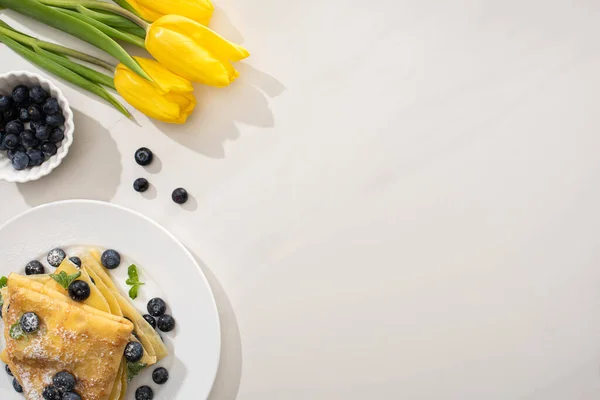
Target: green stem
x,y
116,21
98,5
124,4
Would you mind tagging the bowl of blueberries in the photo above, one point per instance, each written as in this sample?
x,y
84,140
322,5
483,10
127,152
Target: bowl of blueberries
x,y
36,126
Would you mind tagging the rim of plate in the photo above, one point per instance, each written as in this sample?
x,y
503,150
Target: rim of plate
x,y
164,230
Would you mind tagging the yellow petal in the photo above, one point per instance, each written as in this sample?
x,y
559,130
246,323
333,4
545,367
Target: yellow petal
x,y
147,13
165,80
198,10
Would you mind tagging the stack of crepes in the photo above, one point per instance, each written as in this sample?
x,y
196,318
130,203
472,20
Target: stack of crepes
x,y
87,339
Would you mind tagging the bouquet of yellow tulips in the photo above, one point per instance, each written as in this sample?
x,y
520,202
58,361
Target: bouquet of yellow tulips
x,y
174,32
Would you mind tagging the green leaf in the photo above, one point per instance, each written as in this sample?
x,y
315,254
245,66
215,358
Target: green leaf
x,y
65,280
16,332
133,369
3,282
133,292
133,281
75,27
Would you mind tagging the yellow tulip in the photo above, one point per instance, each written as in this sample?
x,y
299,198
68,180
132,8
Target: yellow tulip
x,y
193,51
197,10
169,98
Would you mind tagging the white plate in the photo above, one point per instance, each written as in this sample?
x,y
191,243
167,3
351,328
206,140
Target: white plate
x,y
168,269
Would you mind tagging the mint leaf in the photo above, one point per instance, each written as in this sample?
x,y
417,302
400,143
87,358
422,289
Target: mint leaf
x,y
3,282
133,369
16,332
133,281
133,292
65,280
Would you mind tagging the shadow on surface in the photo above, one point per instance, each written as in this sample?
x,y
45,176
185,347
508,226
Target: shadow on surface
x,y
91,170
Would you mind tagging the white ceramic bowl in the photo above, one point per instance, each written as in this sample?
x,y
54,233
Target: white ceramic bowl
x,y
7,83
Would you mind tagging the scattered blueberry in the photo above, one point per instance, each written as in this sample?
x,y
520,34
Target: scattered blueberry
x,y
24,115
35,113
14,127
165,323
42,132
157,307
55,120
34,268
57,135
51,106
17,386
180,196
143,156
48,148
76,261
5,103
38,95
55,257
160,376
144,393
28,139
64,381
20,161
134,352
8,371
11,141
10,114
51,392
29,322
111,259
79,290
36,157
20,94
151,320
141,185
71,396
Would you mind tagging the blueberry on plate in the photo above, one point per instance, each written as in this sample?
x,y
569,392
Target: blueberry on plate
x,y
55,257
17,386
34,268
42,132
38,95
141,185
51,392
20,161
144,393
71,396
51,106
14,127
24,115
79,290
165,323
111,259
36,157
64,381
10,114
20,94
55,120
157,307
150,320
29,322
180,196
160,376
57,135
49,149
28,139
76,261
8,371
143,156
10,141
5,103
134,352
35,113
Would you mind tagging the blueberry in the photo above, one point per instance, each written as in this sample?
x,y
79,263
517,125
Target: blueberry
x,y
141,185
76,261
134,352
160,376
165,323
35,113
34,268
42,132
71,396
28,139
180,196
51,392
55,120
48,148
57,135
24,115
10,114
20,94
79,290
8,371
110,259
38,95
17,386
143,156
14,127
64,381
5,103
55,257
144,393
29,322
151,320
36,157
10,141
51,106
157,307
20,161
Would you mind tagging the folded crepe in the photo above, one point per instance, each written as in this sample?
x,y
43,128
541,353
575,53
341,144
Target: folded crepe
x,y
85,341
